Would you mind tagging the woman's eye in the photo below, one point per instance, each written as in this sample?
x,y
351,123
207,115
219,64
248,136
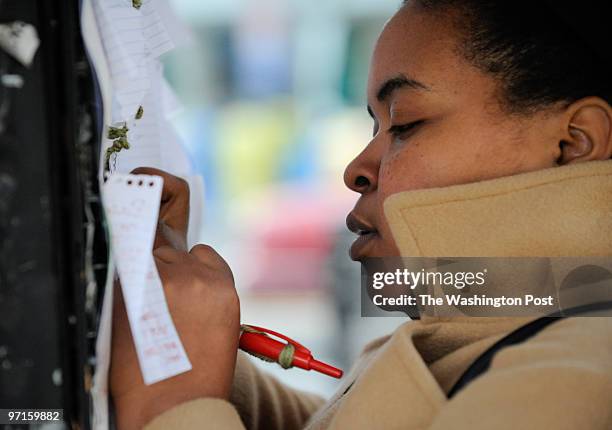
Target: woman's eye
x,y
402,131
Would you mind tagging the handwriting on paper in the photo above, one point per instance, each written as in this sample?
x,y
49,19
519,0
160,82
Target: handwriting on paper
x,y
132,207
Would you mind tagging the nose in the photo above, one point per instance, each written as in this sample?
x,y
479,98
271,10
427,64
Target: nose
x,y
361,174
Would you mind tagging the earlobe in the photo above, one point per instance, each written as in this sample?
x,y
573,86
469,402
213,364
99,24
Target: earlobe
x,y
589,132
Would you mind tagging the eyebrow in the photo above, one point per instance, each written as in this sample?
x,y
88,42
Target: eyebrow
x,y
395,83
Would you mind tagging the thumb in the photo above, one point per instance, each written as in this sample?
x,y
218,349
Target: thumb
x,y
174,209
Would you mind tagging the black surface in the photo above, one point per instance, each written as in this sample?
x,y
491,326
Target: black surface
x,y
48,159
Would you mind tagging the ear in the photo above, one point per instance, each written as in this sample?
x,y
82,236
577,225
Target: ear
x,y
587,131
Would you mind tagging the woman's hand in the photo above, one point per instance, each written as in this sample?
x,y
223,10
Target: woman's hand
x,y
173,211
199,288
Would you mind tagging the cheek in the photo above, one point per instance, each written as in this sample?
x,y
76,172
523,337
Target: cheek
x,y
413,166
399,171
451,154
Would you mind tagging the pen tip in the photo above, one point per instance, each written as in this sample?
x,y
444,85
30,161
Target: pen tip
x,y
326,369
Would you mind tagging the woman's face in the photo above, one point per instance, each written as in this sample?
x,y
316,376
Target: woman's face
x,y
437,122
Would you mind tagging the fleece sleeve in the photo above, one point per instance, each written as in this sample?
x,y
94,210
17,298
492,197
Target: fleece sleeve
x,y
258,401
561,379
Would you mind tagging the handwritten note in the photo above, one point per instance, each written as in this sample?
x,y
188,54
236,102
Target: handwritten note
x,y
124,45
132,207
145,133
132,39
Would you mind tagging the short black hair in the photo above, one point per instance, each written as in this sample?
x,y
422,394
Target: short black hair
x,y
538,55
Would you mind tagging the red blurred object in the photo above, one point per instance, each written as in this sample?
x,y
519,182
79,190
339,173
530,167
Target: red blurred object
x,y
294,237
263,345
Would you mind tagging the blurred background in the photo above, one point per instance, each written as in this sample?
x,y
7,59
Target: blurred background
x,y
273,95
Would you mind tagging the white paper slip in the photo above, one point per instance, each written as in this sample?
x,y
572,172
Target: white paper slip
x,y
133,39
144,135
132,207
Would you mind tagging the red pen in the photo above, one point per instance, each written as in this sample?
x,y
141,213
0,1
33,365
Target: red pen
x,y
257,341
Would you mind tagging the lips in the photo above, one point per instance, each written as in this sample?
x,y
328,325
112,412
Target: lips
x,y
366,234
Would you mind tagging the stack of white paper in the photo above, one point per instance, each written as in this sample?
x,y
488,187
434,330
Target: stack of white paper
x,y
124,45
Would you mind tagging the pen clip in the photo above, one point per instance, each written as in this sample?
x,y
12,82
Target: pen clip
x,y
269,332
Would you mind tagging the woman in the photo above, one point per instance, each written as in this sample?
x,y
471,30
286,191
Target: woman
x,y
498,115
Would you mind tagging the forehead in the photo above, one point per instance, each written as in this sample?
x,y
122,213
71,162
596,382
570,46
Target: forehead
x,y
418,44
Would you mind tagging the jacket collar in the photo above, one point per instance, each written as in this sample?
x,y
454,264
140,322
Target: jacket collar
x,y
560,211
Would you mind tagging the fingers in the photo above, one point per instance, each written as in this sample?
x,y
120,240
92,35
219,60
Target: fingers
x,y
168,254
174,209
152,171
203,253
147,171
174,187
202,259
206,254
167,236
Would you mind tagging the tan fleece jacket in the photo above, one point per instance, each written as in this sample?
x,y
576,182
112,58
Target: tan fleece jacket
x,y
559,379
